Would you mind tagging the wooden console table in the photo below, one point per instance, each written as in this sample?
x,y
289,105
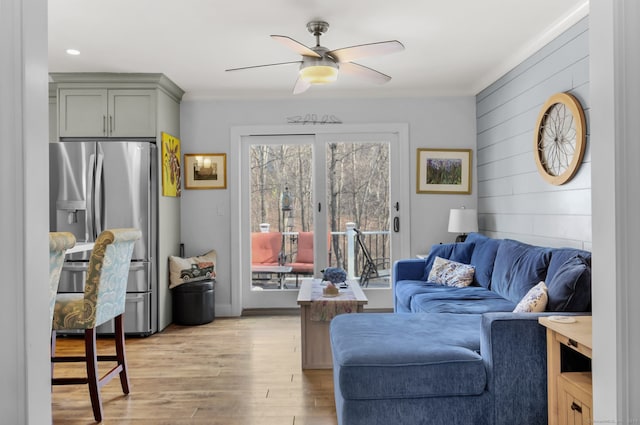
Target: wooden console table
x,y
316,347
570,394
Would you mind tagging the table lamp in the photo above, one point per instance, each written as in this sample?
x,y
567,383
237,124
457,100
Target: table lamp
x,y
463,221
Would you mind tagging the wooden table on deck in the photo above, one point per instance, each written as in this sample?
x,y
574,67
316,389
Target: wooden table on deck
x,y
316,347
280,271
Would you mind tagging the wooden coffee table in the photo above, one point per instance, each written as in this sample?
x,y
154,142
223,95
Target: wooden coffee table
x,y
316,347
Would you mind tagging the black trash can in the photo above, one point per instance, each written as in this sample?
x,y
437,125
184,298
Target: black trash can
x,y
194,303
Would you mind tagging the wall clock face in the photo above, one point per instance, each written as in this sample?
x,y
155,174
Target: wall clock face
x,y
560,138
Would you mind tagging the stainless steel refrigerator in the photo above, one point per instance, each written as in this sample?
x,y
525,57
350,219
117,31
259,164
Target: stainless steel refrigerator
x,y
98,185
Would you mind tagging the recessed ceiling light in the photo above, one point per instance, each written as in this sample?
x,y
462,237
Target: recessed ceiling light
x,y
73,52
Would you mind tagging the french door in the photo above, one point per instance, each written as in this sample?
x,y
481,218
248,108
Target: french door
x,y
303,197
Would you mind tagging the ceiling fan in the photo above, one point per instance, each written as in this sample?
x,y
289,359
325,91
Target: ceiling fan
x,y
320,65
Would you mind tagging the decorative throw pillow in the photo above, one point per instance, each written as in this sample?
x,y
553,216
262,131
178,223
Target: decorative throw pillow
x,y
459,252
183,270
570,286
451,273
534,301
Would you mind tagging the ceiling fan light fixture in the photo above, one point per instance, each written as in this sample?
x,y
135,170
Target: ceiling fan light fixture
x,y
319,74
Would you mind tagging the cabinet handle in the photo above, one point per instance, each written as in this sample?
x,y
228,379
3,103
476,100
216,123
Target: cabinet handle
x,y
576,407
110,124
572,343
104,124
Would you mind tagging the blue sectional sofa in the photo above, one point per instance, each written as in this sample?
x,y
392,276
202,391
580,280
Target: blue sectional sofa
x,y
458,355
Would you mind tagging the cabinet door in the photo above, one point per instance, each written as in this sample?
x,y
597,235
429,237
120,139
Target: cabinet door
x,y
82,113
132,113
574,399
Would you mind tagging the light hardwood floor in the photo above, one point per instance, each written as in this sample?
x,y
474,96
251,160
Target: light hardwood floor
x,y
233,371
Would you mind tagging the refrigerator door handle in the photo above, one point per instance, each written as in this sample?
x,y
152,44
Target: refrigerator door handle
x,y
90,234
98,195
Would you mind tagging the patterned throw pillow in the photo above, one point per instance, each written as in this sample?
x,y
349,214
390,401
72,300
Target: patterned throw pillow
x,y
451,273
535,301
183,270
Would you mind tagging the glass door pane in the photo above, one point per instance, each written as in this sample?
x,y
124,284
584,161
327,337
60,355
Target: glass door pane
x,y
358,193
281,215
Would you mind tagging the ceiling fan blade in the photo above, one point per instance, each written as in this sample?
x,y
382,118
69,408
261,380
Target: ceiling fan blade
x,y
295,46
348,54
301,86
362,71
262,66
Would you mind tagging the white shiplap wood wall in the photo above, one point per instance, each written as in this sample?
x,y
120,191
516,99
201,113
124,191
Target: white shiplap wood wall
x,y
513,199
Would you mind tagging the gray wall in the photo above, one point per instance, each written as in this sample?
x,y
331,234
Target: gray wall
x,y
513,199
205,127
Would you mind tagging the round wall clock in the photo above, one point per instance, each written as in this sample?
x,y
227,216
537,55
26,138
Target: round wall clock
x,y
560,138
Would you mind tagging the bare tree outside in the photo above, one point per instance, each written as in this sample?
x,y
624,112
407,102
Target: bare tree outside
x,y
357,190
358,185
275,168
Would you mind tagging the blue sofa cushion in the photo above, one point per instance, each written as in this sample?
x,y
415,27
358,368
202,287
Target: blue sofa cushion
x,y
472,299
518,267
570,287
394,356
560,255
482,258
404,290
459,252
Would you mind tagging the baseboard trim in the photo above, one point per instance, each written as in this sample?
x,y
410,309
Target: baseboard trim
x,y
271,312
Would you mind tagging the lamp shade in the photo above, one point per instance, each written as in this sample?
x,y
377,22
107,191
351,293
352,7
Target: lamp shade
x,y
463,220
319,74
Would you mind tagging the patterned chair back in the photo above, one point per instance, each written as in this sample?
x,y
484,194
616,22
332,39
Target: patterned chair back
x,y
59,242
106,285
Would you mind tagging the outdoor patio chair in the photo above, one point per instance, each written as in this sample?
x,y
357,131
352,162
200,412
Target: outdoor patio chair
x,y
266,248
303,262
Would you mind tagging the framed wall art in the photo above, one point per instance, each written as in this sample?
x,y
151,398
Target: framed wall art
x,y
443,171
170,165
205,171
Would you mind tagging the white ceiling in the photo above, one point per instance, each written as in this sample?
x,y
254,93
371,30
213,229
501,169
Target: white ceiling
x,y
452,47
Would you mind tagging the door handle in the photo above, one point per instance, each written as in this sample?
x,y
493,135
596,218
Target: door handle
x,y
90,231
576,407
396,224
97,202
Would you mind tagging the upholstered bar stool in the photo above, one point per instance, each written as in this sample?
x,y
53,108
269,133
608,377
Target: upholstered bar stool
x,y
103,299
59,242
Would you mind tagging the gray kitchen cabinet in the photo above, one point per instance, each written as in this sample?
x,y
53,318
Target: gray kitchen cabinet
x,y
94,112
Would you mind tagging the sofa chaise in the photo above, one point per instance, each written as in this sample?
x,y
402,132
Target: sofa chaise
x,y
457,353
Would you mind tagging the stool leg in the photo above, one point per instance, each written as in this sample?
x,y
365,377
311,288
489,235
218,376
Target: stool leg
x,y
53,351
121,354
92,372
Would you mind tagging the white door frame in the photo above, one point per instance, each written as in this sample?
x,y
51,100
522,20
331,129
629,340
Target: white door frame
x,y
240,253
